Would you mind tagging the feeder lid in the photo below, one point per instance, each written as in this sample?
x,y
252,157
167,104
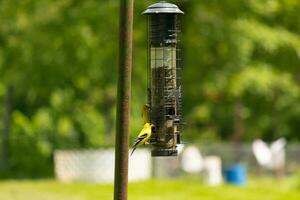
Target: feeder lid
x,y
162,7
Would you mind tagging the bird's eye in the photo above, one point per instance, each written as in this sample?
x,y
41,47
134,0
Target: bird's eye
x,y
153,129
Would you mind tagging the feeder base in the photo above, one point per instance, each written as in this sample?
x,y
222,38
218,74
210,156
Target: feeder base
x,y
163,152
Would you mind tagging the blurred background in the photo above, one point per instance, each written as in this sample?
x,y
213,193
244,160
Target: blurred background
x,y
58,77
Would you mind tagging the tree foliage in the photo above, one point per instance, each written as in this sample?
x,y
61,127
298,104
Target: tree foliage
x,y
61,58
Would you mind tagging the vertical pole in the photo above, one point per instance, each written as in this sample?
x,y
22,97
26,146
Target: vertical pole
x,y
123,100
6,125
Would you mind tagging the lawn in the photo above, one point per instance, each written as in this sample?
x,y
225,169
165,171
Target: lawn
x,y
189,189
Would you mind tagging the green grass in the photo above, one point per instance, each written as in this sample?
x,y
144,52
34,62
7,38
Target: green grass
x,y
190,189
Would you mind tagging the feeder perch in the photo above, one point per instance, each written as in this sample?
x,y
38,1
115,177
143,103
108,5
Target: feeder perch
x,y
164,77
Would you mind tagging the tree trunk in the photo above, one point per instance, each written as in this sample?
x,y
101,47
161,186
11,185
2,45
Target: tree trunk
x,y
238,129
275,123
274,117
6,124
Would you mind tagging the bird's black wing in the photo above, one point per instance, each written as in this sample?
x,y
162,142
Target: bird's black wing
x,y
137,141
140,139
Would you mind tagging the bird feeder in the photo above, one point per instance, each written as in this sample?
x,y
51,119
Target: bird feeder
x,y
164,77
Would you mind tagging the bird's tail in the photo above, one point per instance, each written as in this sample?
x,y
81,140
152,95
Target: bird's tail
x,y
134,148
138,140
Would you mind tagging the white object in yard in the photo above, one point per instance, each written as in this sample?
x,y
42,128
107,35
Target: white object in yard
x,y
213,169
98,165
278,153
272,157
262,153
180,148
192,160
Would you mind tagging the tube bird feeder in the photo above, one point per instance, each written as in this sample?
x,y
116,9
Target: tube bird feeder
x,y
164,89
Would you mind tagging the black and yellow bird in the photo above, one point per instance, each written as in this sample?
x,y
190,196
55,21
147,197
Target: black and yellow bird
x,y
144,136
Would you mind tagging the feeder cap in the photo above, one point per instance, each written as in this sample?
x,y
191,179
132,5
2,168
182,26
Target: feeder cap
x,y
161,8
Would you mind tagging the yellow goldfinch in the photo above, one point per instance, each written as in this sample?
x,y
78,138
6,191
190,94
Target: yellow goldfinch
x,y
146,113
144,136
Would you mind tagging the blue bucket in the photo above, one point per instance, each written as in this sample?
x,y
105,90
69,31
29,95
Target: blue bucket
x,y
236,175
